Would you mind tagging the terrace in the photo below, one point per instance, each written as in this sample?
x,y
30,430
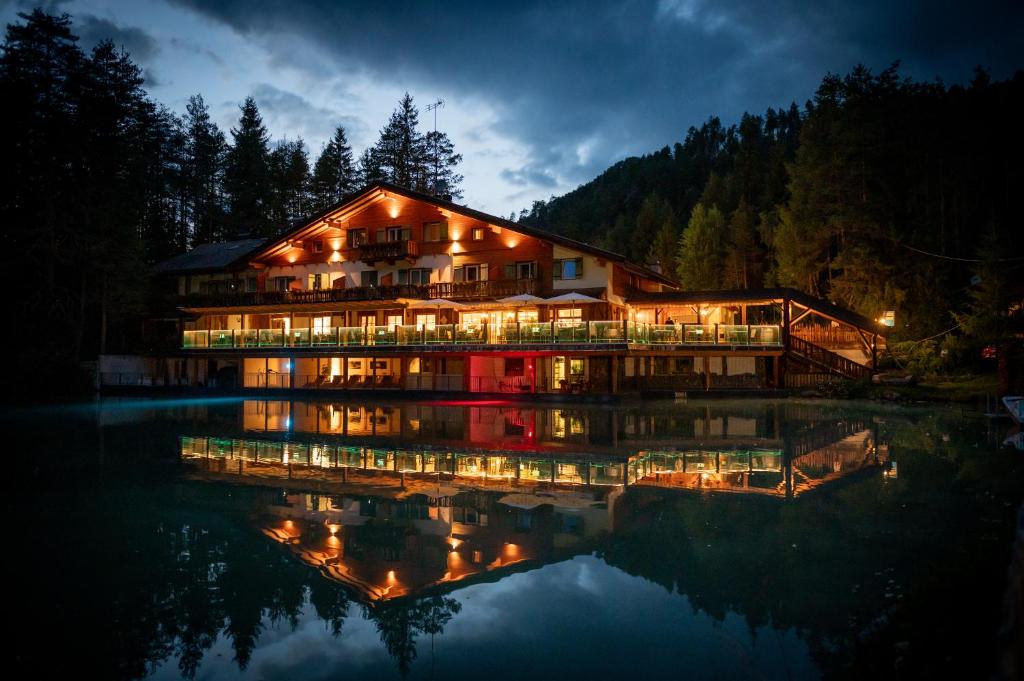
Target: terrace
x,y
596,333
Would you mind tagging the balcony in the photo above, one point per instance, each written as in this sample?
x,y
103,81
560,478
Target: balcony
x,y
330,295
483,290
388,251
594,333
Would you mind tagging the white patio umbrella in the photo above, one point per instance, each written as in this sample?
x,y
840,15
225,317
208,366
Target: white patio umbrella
x,y
572,298
436,304
522,300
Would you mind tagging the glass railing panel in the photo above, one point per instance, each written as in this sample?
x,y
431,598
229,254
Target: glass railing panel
x,y
509,333
271,337
351,335
733,334
698,333
408,462
408,334
327,336
570,332
637,332
195,339
299,337
350,457
535,332
501,467
606,473
765,334
470,465
607,332
442,333
223,338
570,472
470,333
665,334
734,462
296,453
701,461
382,335
248,338
539,470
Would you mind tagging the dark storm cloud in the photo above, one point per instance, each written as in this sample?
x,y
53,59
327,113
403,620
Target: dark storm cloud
x,y
582,83
139,44
292,112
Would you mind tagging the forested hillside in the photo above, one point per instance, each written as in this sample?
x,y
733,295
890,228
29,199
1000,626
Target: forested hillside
x,y
881,193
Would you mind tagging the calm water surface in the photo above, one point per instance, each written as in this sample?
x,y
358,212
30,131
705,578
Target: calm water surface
x,y
213,539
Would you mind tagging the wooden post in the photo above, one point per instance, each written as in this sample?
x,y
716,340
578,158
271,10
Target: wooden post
x,y
615,375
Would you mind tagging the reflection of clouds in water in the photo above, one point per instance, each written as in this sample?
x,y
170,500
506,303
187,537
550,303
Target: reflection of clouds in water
x,y
574,619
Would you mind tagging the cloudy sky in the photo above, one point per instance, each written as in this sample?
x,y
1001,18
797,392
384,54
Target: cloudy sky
x,y
539,96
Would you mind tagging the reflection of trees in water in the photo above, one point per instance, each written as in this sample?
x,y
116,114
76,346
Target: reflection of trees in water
x,y
183,569
868,572
399,622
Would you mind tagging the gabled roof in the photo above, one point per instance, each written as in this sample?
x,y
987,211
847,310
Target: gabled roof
x,y
761,295
359,198
211,257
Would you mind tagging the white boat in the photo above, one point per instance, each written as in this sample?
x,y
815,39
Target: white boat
x,y
1015,405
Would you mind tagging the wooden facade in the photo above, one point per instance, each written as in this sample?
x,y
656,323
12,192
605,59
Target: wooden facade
x,y
413,288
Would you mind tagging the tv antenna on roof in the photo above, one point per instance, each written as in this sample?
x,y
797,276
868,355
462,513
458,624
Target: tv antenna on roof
x,y
434,107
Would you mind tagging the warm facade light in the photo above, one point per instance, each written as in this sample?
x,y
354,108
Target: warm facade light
x,y
335,257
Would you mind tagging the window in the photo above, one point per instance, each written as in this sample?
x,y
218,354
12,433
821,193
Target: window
x,y
394,234
281,283
251,284
394,320
476,272
568,268
368,278
415,277
318,281
526,270
435,231
515,366
478,234
356,238
316,246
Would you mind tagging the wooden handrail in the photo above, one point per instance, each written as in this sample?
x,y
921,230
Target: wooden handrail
x,y
826,359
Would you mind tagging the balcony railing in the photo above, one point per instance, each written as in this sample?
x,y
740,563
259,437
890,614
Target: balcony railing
x,y
477,290
389,251
330,295
461,290
516,333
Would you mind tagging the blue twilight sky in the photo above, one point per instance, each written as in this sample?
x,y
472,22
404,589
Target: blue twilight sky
x,y
540,96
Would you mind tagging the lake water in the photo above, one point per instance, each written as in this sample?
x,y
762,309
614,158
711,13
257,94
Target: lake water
x,y
269,539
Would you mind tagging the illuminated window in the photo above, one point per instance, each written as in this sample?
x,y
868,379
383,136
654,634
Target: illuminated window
x,y
521,270
318,281
435,231
356,237
478,234
477,272
394,234
568,268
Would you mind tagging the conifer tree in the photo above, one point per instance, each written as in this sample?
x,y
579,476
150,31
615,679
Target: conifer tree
x,y
205,153
335,173
246,175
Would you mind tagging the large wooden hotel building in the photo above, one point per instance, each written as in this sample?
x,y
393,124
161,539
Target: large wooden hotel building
x,y
396,290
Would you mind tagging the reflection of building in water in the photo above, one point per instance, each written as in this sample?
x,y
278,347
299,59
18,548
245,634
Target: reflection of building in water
x,y
398,499
400,544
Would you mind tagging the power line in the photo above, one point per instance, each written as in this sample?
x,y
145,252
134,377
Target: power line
x,y
950,257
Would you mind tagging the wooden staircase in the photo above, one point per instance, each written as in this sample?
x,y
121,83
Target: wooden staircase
x,y
823,360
